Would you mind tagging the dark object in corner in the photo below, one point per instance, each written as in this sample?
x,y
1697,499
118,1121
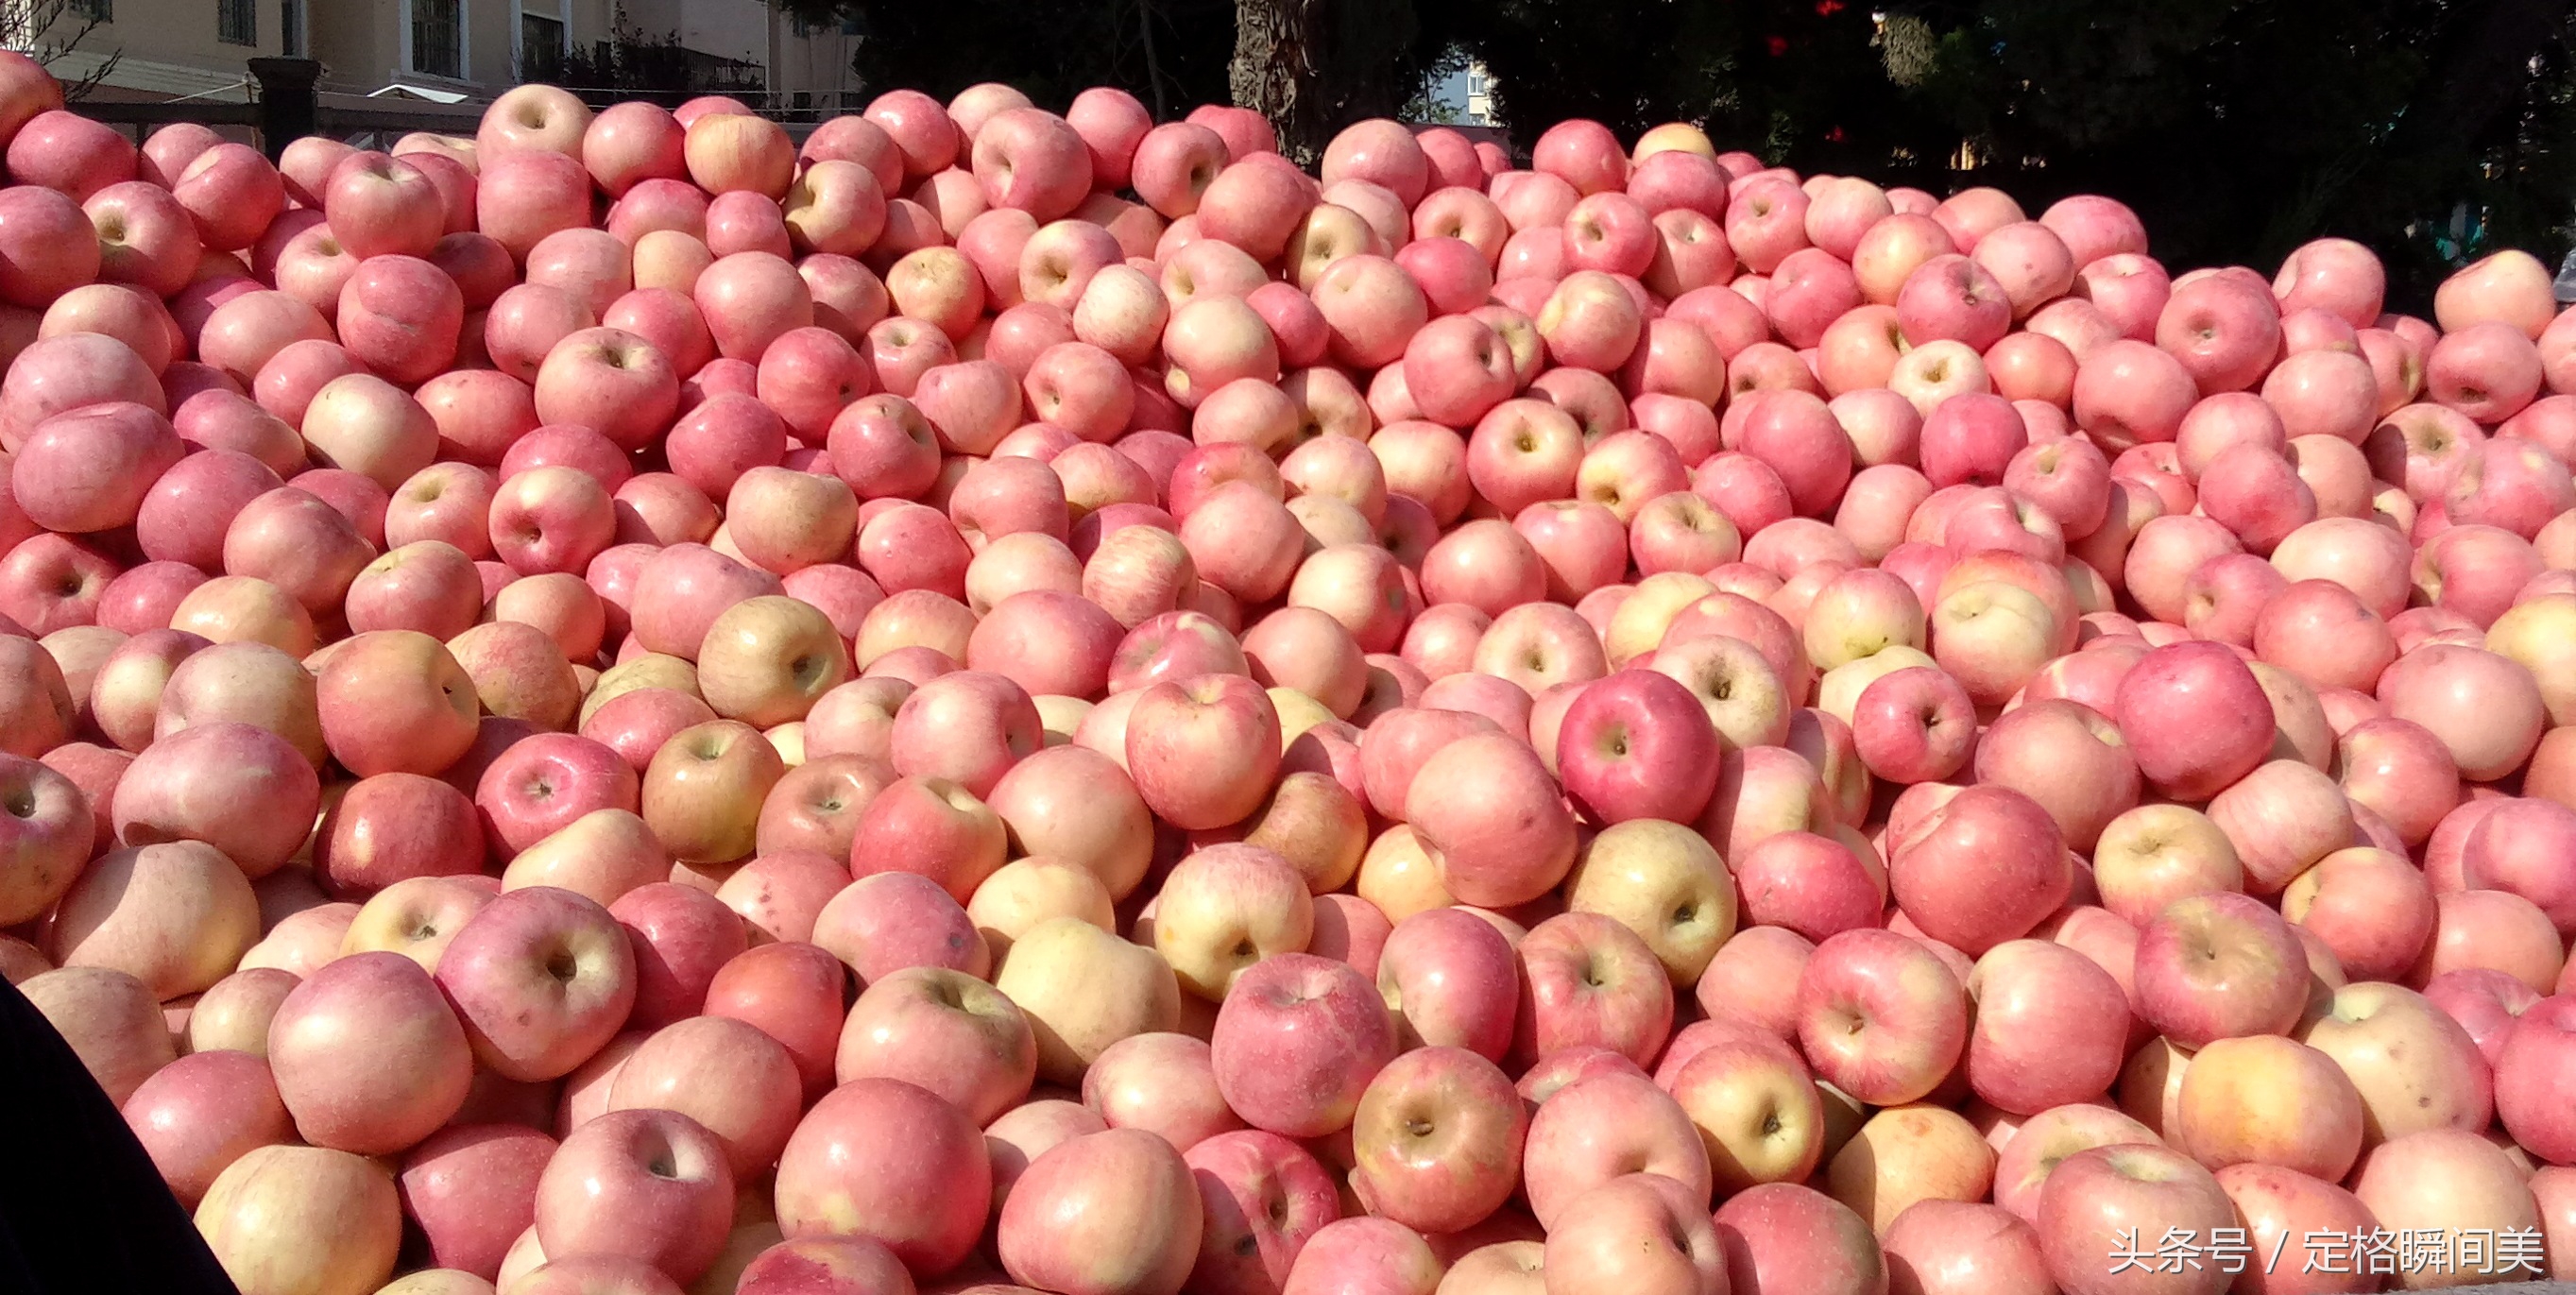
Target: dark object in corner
x,y
82,1209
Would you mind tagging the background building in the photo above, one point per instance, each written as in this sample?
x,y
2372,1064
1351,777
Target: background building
x,y
157,49
448,51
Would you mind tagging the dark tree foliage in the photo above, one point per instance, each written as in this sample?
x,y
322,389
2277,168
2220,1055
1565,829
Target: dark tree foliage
x,y
2240,128
1172,54
2431,129
1780,77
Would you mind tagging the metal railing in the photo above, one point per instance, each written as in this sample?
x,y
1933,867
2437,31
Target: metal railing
x,y
288,102
285,106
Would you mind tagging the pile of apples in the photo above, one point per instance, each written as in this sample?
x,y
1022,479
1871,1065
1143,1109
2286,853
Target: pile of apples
x,y
1011,702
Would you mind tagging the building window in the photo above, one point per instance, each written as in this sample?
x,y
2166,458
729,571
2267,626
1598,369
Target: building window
x,y
92,10
438,37
290,28
237,22
541,47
